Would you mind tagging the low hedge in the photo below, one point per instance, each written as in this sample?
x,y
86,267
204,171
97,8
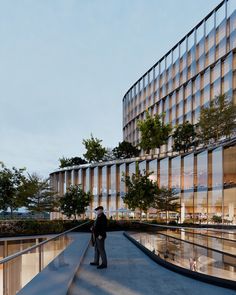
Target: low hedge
x,y
35,227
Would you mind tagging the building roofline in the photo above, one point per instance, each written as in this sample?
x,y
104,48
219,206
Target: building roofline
x,y
223,143
181,40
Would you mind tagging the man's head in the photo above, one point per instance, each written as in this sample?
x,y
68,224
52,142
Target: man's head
x,y
99,210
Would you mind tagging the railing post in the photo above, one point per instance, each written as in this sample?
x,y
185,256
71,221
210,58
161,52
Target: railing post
x,y
40,258
4,278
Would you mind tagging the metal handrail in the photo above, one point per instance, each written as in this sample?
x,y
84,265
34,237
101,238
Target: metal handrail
x,y
193,243
183,227
10,257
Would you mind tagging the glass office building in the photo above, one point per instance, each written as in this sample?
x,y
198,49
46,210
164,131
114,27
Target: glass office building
x,y
199,67
205,181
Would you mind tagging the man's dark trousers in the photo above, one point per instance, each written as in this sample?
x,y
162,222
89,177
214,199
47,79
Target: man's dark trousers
x,y
100,251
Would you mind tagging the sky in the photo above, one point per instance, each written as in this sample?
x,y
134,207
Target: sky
x,y
65,66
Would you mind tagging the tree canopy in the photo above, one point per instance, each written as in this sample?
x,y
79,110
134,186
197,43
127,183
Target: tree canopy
x,y
95,152
39,195
67,162
141,191
184,137
125,150
11,187
217,120
166,200
154,132
75,201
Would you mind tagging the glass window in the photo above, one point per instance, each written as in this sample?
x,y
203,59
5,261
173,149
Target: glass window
x,y
216,72
187,207
112,190
230,184
95,186
202,171
175,54
176,173
227,65
152,168
200,33
182,48
87,184
188,172
168,60
132,168
142,167
220,15
162,66
191,40
156,71
104,187
227,83
122,173
209,24
217,172
164,172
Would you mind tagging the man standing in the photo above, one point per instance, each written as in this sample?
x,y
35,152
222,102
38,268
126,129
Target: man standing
x,y
99,231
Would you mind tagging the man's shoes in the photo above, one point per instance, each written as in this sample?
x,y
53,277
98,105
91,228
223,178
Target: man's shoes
x,y
102,266
94,263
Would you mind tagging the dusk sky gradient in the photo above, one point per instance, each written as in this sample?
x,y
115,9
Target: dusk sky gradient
x,y
65,66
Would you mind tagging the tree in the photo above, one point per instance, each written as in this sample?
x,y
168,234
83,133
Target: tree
x,y
39,194
75,201
166,201
94,150
11,183
125,150
217,120
154,132
109,155
141,191
67,162
184,137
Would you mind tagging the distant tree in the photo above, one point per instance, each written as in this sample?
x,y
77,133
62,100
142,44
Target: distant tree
x,y
141,191
184,137
67,162
217,120
125,150
75,201
39,195
166,201
109,155
95,152
154,132
11,183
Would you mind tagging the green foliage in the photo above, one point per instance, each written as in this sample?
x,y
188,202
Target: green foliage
x,y
141,191
154,132
75,201
216,219
11,185
184,137
166,200
217,120
67,162
109,155
94,150
39,194
125,150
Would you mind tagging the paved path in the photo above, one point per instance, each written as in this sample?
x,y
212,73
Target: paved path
x,y
131,272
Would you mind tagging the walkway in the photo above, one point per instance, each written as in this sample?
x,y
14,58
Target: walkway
x,y
131,272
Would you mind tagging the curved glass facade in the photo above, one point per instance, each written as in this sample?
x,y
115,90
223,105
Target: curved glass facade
x,y
199,67
204,180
